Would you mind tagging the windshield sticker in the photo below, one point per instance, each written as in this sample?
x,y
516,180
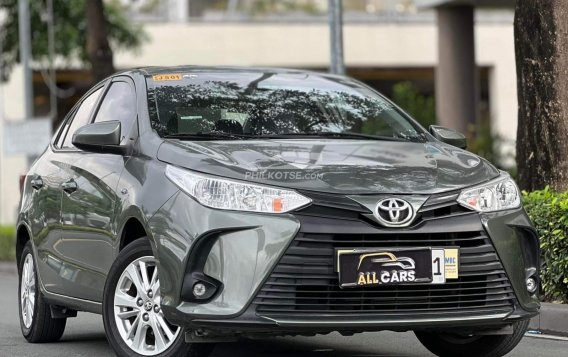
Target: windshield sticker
x,y
167,77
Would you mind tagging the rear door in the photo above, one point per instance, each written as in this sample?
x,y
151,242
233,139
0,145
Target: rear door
x,y
47,176
89,197
42,186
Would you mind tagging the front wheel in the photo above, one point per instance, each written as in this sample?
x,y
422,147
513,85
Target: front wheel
x,y
132,315
450,345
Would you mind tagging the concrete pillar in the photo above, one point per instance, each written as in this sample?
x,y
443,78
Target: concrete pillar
x,y
457,79
178,10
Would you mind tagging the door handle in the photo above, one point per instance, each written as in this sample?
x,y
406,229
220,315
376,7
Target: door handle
x,y
36,183
69,186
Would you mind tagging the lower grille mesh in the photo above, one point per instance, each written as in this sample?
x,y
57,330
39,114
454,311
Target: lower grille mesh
x,y
305,282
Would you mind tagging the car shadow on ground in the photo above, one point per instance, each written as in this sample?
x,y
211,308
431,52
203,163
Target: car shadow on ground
x,y
245,347
292,347
280,347
84,337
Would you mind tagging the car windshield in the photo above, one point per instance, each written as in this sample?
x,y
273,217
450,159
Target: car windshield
x,y
241,105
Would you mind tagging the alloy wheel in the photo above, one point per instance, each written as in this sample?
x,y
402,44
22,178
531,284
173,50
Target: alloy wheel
x,y
137,309
28,291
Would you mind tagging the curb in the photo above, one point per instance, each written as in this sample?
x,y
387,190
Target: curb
x,y
553,319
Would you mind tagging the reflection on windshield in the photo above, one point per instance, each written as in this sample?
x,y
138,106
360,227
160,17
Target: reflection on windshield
x,y
272,104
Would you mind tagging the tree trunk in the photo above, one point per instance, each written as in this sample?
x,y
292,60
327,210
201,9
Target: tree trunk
x,y
541,45
98,48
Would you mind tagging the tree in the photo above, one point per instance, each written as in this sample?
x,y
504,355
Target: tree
x,y
541,42
71,31
98,48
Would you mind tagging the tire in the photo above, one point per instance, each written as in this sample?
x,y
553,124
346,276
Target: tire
x,y
35,314
446,345
128,305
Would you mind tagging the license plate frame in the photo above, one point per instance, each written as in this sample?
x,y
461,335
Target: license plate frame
x,y
372,267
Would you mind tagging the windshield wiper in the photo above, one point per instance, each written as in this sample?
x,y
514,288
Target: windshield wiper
x,y
330,134
219,135
417,138
207,136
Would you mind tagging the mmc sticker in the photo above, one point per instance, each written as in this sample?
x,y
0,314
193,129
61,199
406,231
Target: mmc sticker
x,y
451,263
391,269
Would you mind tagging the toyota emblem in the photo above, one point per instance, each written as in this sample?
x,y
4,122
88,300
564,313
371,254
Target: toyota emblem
x,y
394,212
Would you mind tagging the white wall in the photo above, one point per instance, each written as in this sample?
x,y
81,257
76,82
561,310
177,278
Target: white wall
x,y
496,48
11,167
282,45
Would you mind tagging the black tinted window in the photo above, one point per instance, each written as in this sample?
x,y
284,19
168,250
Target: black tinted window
x,y
118,104
81,117
264,104
63,130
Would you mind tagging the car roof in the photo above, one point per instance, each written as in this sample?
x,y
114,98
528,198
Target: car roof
x,y
154,70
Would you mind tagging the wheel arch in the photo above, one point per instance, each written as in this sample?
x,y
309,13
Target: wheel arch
x,y
23,235
134,226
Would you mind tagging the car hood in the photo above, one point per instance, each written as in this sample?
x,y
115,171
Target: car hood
x,y
334,166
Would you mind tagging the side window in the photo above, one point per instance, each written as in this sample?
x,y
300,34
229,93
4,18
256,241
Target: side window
x,y
81,117
118,104
63,130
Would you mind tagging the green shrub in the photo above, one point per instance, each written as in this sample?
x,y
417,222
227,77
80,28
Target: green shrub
x,y
7,243
549,212
421,107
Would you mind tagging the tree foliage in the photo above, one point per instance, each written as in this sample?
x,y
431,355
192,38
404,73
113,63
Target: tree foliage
x,y
420,107
70,27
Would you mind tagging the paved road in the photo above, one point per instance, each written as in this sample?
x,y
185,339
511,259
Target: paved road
x,y
84,336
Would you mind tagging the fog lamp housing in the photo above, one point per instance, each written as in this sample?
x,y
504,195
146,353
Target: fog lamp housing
x,y
532,285
200,288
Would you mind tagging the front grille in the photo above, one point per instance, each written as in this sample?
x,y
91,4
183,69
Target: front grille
x,y
305,282
441,205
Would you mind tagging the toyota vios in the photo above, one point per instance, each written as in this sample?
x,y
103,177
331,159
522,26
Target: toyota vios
x,y
195,205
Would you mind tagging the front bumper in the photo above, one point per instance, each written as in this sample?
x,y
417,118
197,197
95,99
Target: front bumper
x,y
250,323
273,273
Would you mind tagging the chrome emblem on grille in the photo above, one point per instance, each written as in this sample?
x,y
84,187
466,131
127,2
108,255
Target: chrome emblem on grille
x,y
394,212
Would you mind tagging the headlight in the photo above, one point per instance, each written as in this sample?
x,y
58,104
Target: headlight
x,y
500,194
234,195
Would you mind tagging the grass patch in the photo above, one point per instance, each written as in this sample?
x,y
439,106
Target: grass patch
x,y
7,243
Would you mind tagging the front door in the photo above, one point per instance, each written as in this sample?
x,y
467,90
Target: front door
x,y
88,228
89,201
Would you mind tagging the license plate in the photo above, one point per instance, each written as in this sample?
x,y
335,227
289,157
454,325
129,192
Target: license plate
x,y
373,267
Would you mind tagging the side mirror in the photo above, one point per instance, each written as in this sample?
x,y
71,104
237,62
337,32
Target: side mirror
x,y
449,136
103,137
